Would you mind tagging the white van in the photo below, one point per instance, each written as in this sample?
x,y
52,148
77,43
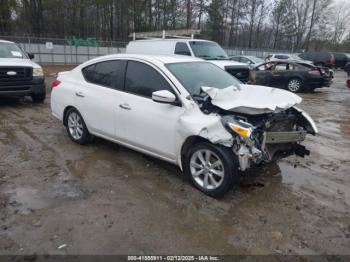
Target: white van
x,y
204,49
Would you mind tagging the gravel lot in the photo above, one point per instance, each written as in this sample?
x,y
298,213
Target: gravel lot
x,y
107,199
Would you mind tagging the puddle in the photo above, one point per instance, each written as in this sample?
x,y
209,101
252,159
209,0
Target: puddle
x,y
25,199
67,192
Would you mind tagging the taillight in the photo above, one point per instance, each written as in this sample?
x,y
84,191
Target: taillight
x,y
331,60
348,83
55,83
314,72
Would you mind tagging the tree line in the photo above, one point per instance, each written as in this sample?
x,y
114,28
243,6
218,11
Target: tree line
x,y
281,24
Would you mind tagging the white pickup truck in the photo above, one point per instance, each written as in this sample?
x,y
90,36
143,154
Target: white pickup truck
x,y
19,75
208,50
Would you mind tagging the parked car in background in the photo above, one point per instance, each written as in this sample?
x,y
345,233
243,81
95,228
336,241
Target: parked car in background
x,y
183,110
341,59
250,60
204,49
279,57
292,75
325,59
19,76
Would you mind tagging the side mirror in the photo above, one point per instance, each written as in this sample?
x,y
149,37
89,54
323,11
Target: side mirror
x,y
31,56
163,96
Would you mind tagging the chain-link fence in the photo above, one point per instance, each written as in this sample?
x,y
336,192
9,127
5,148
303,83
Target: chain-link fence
x,y
262,53
75,50
66,51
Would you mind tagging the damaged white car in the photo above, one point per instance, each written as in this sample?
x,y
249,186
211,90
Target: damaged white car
x,y
183,110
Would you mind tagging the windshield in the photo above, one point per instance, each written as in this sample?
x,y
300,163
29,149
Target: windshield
x,y
194,75
10,50
208,50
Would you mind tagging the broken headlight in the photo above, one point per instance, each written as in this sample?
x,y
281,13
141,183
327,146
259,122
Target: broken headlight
x,y
238,127
240,130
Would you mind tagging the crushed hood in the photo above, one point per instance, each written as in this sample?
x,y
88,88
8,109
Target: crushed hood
x,y
252,99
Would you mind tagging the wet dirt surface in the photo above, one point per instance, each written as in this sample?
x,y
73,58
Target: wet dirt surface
x,y
106,199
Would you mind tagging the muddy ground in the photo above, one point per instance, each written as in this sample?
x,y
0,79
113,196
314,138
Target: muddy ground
x,y
57,197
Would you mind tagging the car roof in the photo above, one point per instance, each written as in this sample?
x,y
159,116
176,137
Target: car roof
x,y
290,61
280,54
173,40
150,58
251,56
5,41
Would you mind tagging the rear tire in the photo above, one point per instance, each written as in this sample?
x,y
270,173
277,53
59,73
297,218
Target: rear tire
x,y
76,128
212,169
40,98
295,85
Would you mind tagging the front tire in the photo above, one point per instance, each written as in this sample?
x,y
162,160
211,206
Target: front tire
x,y
295,85
212,169
40,98
76,128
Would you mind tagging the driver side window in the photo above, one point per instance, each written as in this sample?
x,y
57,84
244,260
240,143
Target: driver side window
x,y
143,80
182,49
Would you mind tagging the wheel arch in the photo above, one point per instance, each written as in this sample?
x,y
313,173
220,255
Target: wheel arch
x,y
300,77
187,144
65,111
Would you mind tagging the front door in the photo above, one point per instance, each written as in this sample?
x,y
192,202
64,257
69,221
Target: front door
x,y
141,122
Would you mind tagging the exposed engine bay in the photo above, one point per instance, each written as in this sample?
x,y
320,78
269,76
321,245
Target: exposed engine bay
x,y
265,137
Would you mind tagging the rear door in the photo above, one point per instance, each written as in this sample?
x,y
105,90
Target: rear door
x,y
97,98
141,122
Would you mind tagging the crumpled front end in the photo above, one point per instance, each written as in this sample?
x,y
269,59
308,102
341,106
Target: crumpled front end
x,y
264,138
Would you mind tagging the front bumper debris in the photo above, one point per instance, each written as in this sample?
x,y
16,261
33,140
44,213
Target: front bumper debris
x,y
285,137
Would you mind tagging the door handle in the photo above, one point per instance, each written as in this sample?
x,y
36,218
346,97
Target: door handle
x,y
80,94
125,106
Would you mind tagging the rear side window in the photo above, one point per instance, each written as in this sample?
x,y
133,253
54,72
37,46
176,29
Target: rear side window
x,y
109,74
282,67
143,80
281,56
182,49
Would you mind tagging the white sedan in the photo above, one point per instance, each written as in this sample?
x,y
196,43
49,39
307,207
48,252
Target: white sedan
x,y
183,110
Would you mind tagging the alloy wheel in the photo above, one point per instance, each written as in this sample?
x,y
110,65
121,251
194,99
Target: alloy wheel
x,y
207,169
294,85
75,126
